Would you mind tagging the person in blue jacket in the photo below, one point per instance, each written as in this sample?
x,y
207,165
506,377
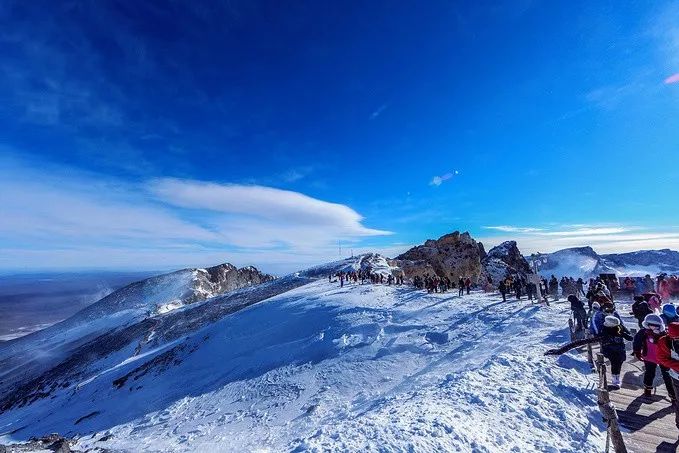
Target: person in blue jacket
x,y
598,318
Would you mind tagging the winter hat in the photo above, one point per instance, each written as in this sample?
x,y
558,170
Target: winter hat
x,y
612,321
669,310
673,330
639,298
572,298
596,306
653,320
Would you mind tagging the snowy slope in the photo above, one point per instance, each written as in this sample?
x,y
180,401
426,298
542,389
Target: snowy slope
x,y
638,264
573,262
29,356
317,367
373,262
585,262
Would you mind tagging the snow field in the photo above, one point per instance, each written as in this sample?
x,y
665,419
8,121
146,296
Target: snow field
x,y
323,368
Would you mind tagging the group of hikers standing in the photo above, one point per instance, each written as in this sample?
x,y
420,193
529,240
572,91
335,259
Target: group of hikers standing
x,y
436,284
518,286
363,275
656,343
432,283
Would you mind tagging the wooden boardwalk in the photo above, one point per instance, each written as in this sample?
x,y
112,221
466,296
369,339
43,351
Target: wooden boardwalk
x,y
648,422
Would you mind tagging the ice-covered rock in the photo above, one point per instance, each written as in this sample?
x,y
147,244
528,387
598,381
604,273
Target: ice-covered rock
x,y
505,259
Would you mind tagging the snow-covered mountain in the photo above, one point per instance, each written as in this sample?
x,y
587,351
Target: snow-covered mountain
x,y
120,317
643,262
585,262
505,259
300,364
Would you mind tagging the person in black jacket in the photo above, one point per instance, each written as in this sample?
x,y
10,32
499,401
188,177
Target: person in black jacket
x,y
612,338
503,290
640,309
579,312
554,287
518,287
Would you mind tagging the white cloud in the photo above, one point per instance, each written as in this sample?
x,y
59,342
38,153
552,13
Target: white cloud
x,y
438,180
57,217
284,208
604,239
513,229
379,111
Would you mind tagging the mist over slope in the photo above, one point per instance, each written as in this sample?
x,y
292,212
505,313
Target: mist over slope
x,y
585,262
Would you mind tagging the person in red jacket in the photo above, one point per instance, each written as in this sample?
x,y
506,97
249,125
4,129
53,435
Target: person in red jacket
x,y
668,356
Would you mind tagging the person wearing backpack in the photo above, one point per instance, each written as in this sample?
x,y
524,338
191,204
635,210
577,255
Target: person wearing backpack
x,y
645,348
640,309
612,338
599,317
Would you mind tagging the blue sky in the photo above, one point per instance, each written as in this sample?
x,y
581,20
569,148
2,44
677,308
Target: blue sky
x,y
169,134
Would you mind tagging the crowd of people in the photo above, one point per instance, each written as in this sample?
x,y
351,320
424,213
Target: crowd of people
x,y
367,275
666,286
436,284
656,343
431,283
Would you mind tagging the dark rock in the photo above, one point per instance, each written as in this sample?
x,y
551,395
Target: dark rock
x,y
505,259
436,337
454,255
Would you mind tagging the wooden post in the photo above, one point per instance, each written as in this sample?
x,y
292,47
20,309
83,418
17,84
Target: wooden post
x,y
607,409
611,418
590,356
601,369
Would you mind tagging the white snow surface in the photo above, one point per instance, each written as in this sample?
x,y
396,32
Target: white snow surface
x,y
373,262
324,368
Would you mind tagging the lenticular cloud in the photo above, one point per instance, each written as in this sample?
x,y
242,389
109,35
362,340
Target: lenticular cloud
x,y
283,207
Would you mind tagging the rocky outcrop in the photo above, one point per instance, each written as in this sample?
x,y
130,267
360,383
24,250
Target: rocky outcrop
x,y
453,255
223,278
505,259
53,442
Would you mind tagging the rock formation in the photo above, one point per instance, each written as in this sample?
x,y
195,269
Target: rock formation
x,y
505,259
454,255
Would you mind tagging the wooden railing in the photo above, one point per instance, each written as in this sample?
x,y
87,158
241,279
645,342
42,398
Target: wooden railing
x,y
608,412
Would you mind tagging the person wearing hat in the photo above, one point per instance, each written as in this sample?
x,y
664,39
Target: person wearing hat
x,y
668,356
669,314
594,309
645,348
612,338
607,309
640,309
